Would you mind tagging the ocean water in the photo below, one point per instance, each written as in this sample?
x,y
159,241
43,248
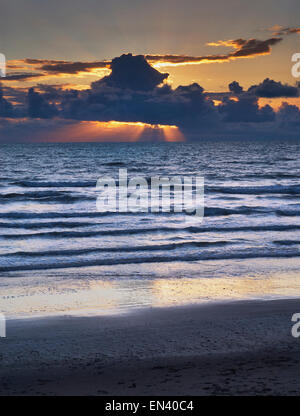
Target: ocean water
x,y
58,254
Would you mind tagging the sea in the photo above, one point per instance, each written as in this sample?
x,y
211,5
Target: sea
x,y
60,255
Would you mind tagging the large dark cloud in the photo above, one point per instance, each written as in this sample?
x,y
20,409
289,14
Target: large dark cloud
x,y
184,106
246,109
272,89
135,92
132,72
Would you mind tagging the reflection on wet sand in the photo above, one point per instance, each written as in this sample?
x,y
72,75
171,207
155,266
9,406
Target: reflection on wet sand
x,y
104,297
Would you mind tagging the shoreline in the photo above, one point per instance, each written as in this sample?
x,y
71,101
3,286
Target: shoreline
x,y
95,292
240,347
139,310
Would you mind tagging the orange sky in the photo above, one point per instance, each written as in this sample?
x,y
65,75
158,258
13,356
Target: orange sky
x,y
98,131
218,60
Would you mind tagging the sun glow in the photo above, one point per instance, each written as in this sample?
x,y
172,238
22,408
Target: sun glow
x,y
114,131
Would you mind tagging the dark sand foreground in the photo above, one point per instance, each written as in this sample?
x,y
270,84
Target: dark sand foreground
x,y
240,348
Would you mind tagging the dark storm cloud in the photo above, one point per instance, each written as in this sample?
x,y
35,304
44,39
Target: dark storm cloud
x,y
134,92
182,106
132,72
246,110
272,89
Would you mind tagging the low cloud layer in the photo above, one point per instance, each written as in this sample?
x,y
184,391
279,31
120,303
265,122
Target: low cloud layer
x,y
272,89
132,73
135,92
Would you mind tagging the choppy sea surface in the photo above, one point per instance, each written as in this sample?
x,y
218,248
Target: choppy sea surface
x,y
58,254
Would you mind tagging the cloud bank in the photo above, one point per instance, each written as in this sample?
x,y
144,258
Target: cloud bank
x,y
136,92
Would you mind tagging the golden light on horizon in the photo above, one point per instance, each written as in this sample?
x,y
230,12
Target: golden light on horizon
x,y
172,134
114,131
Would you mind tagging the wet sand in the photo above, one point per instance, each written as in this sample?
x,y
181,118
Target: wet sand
x,y
234,348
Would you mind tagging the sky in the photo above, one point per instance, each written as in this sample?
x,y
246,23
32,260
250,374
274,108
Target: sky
x,y
62,49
